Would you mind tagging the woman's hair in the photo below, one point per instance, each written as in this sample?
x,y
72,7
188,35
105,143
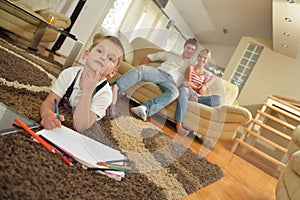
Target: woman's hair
x,y
99,37
208,52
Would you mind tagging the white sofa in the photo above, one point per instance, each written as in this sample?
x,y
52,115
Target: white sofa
x,y
288,186
24,26
219,123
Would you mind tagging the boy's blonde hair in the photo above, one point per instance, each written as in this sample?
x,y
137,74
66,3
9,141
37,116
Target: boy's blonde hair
x,y
99,37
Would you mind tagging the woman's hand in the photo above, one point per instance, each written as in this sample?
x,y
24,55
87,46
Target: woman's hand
x,y
193,98
202,89
186,84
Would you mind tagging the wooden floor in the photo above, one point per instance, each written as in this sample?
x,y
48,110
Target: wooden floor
x,y
241,180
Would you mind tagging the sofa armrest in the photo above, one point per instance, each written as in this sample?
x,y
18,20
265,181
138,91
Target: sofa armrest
x,y
225,113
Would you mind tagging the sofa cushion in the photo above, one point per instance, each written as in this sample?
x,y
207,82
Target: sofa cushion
x,y
129,54
142,48
35,5
295,144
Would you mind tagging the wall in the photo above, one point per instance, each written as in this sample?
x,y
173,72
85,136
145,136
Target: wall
x,y
274,73
221,54
85,23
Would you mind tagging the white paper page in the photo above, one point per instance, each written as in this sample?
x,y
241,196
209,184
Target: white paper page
x,y
81,146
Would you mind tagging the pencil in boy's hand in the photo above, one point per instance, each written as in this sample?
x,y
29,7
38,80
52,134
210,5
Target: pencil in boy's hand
x,y
56,109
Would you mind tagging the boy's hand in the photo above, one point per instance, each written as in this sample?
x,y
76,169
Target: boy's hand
x,y
89,80
50,121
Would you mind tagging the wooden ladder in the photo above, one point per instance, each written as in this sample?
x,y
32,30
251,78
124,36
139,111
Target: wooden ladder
x,y
285,108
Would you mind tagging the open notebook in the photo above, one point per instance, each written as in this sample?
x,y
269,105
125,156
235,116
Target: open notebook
x,y
84,150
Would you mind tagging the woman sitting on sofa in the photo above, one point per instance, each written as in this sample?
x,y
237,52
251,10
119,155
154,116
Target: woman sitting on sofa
x,y
197,82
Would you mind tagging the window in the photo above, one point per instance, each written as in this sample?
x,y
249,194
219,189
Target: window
x,y
246,64
114,17
145,19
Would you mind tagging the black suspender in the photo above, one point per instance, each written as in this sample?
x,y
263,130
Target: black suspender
x,y
70,88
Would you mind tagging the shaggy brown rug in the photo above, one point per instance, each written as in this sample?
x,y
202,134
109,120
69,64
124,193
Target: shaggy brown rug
x,y
162,168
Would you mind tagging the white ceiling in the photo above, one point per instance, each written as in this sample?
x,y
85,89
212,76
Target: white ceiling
x,y
208,20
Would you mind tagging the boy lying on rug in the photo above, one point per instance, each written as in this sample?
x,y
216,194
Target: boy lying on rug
x,y
83,90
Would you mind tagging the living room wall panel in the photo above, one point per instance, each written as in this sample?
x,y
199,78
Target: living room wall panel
x,y
273,73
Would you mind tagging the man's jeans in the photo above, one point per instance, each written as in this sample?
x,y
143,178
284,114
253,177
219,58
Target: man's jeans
x,y
182,102
151,74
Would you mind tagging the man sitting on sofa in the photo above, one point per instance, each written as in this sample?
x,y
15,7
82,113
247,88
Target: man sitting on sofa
x,y
169,76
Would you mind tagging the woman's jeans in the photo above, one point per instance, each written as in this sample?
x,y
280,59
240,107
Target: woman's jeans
x,y
182,102
151,74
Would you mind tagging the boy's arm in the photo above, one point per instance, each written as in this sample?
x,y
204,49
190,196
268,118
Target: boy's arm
x,y
47,111
83,117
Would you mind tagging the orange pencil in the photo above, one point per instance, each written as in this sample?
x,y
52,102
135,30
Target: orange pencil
x,y
36,136
43,142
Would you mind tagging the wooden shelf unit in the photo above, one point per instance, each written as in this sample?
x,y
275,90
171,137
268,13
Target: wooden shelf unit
x,y
281,111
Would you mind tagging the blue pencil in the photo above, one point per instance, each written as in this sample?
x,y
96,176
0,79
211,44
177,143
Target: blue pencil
x,y
56,109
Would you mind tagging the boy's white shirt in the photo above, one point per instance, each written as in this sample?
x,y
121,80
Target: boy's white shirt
x,y
101,100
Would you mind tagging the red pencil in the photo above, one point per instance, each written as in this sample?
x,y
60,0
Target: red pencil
x,y
66,160
43,142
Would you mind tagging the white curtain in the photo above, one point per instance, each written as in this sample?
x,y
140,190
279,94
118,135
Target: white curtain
x,y
145,19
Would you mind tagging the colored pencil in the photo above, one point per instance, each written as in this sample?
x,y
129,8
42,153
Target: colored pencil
x,y
41,141
115,161
66,160
63,152
100,169
36,136
117,167
56,109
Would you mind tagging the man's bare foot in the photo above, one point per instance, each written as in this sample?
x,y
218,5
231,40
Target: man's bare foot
x,y
115,89
182,132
